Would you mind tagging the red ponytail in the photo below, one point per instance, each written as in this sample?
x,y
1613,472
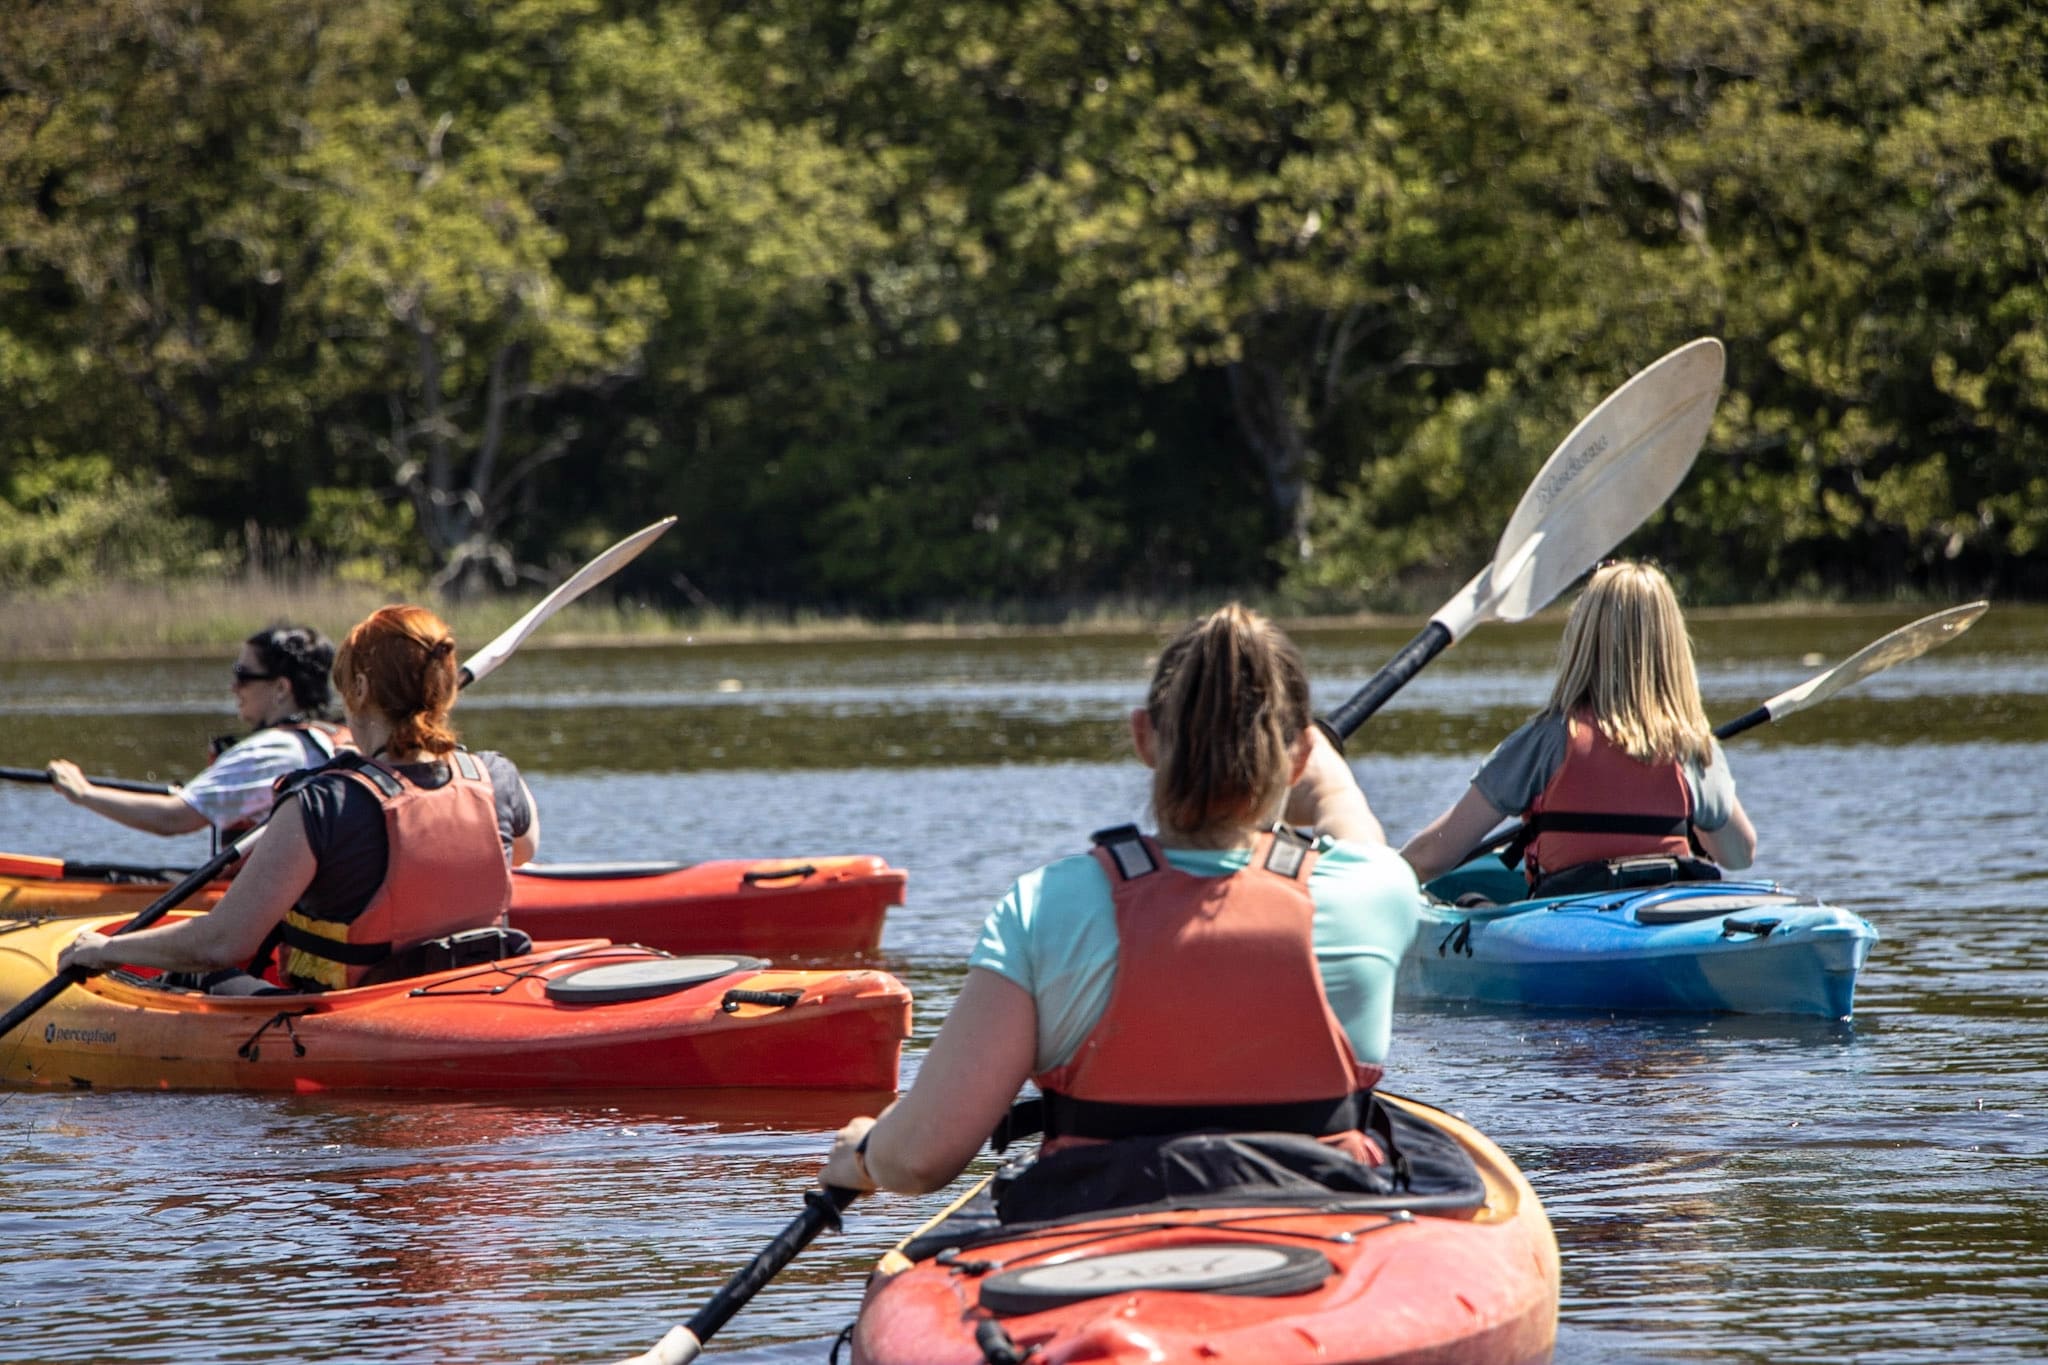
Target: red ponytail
x,y
407,657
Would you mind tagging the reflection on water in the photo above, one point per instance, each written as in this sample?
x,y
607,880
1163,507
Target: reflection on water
x,y
1732,1189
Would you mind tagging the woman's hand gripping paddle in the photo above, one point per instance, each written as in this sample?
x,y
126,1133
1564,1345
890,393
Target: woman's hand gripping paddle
x,y
480,665
1613,470
685,1343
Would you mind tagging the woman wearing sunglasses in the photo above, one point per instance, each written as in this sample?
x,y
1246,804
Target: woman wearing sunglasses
x,y
377,853
281,690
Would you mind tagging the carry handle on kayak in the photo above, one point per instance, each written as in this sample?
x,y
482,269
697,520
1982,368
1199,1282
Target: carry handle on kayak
x,y
480,665
1608,475
685,1343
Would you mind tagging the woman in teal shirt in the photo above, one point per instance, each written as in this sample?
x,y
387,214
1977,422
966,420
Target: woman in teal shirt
x,y
1227,731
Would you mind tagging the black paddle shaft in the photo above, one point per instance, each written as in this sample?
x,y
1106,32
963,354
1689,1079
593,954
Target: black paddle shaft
x,y
1748,720
822,1207
119,784
150,914
1341,723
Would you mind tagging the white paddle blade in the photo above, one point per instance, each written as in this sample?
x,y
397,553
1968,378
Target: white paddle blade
x,y
1907,642
1603,481
486,660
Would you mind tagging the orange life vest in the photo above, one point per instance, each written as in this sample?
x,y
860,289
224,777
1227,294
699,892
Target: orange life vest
x,y
1217,1019
446,871
1603,804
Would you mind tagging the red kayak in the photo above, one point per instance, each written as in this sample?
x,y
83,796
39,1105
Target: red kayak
x,y
777,907
1456,1267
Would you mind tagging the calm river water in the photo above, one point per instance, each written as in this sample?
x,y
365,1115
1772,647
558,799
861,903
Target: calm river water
x,y
1723,1188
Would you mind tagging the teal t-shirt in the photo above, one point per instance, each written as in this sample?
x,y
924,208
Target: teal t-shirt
x,y
1054,934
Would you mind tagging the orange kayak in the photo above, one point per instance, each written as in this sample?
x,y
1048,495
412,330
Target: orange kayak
x,y
564,1016
779,907
1469,1277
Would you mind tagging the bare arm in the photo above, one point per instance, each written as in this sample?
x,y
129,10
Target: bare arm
x,y
1328,799
150,812
526,846
975,1067
1441,844
279,870
1733,845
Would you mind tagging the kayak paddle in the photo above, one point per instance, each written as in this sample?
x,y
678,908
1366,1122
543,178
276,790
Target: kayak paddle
x,y
685,1343
480,665
1907,642
119,784
1605,479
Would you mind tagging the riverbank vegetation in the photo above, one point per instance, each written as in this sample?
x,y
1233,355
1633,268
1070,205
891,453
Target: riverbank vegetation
x,y
907,308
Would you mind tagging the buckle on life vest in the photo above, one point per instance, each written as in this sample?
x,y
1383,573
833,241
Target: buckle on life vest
x,y
1290,848
1127,846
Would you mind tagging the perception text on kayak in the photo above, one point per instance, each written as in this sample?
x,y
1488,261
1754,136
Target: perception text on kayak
x,y
1550,487
53,1034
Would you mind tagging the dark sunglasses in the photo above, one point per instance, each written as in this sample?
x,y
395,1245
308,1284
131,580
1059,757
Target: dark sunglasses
x,y
249,675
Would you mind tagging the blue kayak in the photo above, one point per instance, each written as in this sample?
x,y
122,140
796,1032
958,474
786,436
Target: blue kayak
x,y
1735,946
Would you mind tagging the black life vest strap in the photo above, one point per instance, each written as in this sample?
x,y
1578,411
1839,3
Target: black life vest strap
x,y
1290,850
260,961
1590,822
1127,847
334,949
1065,1116
344,760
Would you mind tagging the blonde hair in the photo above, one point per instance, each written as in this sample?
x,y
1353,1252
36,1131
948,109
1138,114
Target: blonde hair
x,y
1627,659
1228,700
407,656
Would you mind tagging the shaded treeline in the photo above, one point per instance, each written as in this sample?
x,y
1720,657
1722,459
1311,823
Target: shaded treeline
x,y
899,303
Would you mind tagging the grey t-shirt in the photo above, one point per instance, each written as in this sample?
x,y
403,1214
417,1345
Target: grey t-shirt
x,y
1517,771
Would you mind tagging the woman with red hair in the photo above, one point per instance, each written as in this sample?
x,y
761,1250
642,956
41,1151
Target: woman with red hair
x,y
409,840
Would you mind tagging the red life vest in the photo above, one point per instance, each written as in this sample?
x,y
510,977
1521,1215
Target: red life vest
x,y
1217,1019
1603,804
445,872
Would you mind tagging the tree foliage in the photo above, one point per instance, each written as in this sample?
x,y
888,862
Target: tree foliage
x,y
902,303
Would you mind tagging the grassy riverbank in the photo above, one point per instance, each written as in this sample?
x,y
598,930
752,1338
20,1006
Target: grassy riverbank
x,y
194,617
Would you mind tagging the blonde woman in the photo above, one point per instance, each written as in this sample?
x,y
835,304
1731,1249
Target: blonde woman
x,y
1221,975
1621,763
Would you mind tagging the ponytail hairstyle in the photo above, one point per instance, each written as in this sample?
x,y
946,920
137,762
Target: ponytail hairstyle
x,y
1228,701
407,656
1626,658
303,657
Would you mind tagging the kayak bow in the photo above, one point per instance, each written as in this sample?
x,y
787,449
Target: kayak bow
x,y
1698,947
1352,1279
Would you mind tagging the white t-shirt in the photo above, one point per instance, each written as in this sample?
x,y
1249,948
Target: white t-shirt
x,y
237,789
